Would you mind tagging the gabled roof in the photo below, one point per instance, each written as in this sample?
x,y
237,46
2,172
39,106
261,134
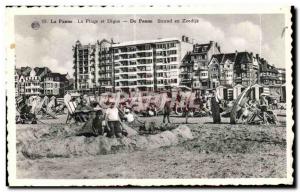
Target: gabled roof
x,y
218,57
25,71
62,77
40,70
229,56
187,59
223,57
18,71
265,67
103,41
243,57
201,46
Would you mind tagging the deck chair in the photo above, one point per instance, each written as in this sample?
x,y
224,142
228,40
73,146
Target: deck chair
x,y
23,117
72,112
49,112
258,117
41,109
60,108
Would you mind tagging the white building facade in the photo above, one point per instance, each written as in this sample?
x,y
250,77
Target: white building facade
x,y
146,65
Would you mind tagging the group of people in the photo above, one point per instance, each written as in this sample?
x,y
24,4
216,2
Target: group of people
x,y
99,120
213,105
249,109
207,104
106,122
87,107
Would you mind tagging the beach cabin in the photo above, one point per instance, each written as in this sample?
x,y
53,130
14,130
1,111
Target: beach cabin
x,y
225,92
237,90
283,93
256,91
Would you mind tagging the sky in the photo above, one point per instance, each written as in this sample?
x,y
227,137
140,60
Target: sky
x,y
51,44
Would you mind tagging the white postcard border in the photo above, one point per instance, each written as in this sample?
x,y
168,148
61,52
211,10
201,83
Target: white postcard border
x,y
98,10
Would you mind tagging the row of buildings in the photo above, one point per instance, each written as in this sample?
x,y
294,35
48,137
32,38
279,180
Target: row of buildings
x,y
40,81
155,65
151,65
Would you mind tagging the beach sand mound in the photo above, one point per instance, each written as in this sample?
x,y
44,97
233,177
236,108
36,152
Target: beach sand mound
x,y
67,146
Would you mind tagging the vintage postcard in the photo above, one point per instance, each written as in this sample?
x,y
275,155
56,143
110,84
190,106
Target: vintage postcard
x,y
149,96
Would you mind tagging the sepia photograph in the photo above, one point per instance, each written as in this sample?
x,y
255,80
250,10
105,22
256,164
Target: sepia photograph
x,y
118,96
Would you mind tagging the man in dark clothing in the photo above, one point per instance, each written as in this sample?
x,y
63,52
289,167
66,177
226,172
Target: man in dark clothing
x,y
88,129
97,123
167,110
215,108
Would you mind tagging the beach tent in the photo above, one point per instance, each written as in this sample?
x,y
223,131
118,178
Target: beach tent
x,y
237,90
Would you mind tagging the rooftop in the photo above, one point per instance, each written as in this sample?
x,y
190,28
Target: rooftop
x,y
138,42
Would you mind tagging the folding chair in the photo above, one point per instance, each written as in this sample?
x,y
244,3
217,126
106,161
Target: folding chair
x,y
23,117
47,113
72,113
60,108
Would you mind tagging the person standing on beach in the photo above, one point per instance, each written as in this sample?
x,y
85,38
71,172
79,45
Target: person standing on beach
x,y
167,109
215,108
113,121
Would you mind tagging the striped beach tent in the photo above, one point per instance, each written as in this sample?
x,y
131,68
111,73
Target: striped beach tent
x,y
60,101
19,100
264,90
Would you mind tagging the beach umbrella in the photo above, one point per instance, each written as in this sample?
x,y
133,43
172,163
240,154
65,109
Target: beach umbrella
x,y
238,103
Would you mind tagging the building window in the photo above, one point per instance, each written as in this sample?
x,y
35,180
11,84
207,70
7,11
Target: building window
x,y
173,59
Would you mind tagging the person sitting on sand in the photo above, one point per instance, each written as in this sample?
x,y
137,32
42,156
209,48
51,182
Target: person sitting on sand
x,y
83,108
244,113
51,107
88,128
263,106
98,123
128,116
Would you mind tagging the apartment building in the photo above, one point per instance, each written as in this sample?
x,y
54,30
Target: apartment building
x,y
268,74
151,65
220,70
40,81
146,65
104,66
55,84
84,65
231,69
20,75
281,75
194,67
33,82
246,68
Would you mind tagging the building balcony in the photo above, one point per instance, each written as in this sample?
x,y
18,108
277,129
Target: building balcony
x,y
144,78
144,72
